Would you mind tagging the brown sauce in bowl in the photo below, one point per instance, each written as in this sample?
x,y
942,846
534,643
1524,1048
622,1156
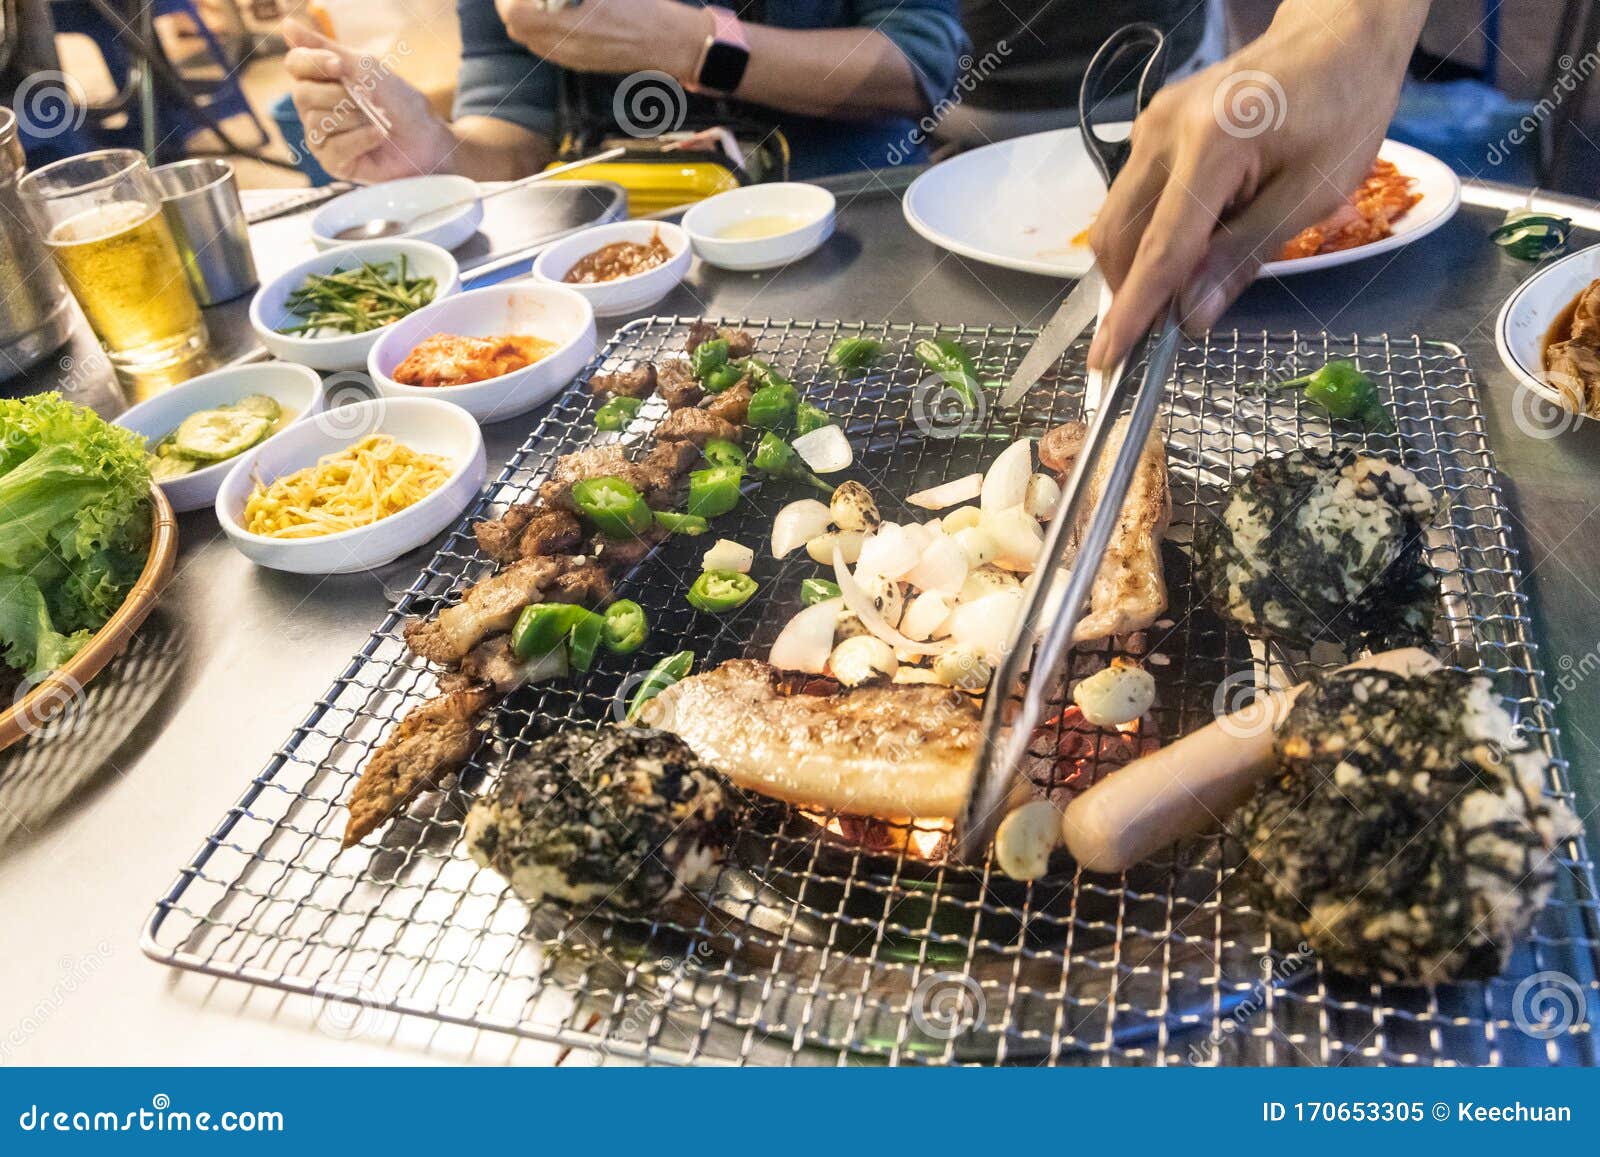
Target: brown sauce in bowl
x,y
619,259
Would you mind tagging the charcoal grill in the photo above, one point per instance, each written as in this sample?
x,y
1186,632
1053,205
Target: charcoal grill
x,y
827,940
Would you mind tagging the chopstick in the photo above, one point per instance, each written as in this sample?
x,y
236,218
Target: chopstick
x,y
380,119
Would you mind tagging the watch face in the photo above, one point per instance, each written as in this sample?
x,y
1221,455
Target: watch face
x,y
724,67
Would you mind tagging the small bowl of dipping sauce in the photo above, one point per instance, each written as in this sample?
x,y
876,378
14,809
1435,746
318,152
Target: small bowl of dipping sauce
x,y
760,226
620,268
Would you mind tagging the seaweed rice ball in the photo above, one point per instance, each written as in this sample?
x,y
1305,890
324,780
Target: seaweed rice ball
x,y
625,817
1406,836
1315,547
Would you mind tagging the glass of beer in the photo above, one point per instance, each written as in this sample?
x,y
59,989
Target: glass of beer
x,y
100,216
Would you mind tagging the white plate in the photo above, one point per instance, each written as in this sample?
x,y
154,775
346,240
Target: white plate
x,y
1532,309
405,200
623,295
810,204
553,312
1020,204
293,387
342,351
426,425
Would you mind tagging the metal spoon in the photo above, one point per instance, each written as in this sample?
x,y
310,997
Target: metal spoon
x,y
389,227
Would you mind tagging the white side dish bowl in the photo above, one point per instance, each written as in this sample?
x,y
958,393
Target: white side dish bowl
x,y
405,200
349,351
623,295
709,222
554,313
1532,309
295,388
423,424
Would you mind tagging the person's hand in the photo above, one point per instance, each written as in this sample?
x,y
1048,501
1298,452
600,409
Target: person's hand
x,y
614,36
1229,164
339,135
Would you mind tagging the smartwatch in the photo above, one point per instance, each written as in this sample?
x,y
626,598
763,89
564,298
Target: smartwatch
x,y
724,57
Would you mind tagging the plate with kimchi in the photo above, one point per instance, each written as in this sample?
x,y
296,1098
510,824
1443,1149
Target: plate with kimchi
x,y
1039,194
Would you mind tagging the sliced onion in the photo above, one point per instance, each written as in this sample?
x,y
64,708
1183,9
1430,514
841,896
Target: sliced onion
x,y
821,548
860,601
921,536
806,640
889,553
985,625
725,554
958,520
943,567
826,449
1006,484
976,544
1017,537
797,524
1044,495
948,493
925,616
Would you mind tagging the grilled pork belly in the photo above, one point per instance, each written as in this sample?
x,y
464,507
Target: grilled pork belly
x,y
676,384
894,752
740,343
636,382
733,404
1130,592
528,530
433,741
695,425
488,607
606,461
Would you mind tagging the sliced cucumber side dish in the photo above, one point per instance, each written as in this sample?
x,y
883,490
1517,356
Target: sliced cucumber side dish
x,y
215,435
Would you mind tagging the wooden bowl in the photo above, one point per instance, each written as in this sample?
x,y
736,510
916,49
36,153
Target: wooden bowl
x,y
56,690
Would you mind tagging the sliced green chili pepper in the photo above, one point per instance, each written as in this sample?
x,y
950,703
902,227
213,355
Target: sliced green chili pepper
x,y
854,353
707,356
721,452
776,458
1530,235
585,638
625,627
950,360
762,373
1344,391
674,523
663,675
721,590
616,413
815,590
772,407
722,378
714,490
808,418
541,628
613,506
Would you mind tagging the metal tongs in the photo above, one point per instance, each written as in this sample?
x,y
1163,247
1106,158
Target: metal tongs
x,y
1007,736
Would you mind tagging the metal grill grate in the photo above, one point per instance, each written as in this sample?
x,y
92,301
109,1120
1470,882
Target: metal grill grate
x,y
826,939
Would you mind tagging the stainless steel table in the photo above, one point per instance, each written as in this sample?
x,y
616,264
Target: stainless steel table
x,y
236,654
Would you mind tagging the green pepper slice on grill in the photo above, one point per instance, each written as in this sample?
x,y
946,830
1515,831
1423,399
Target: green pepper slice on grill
x,y
708,356
612,506
763,374
772,407
585,639
714,490
777,459
718,591
808,418
674,523
721,452
722,378
663,675
816,590
616,413
625,627
854,353
541,628
1345,392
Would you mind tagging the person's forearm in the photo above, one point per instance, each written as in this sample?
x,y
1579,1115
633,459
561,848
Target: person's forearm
x,y
490,149
837,72
1388,28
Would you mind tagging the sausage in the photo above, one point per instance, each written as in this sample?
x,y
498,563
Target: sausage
x,y
1187,786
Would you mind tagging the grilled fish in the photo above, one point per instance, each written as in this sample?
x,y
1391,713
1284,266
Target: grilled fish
x,y
894,752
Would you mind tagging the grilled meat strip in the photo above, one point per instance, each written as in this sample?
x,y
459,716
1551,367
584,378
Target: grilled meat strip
x,y
695,425
433,741
894,752
630,383
1130,591
487,608
527,530
676,384
622,553
582,580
